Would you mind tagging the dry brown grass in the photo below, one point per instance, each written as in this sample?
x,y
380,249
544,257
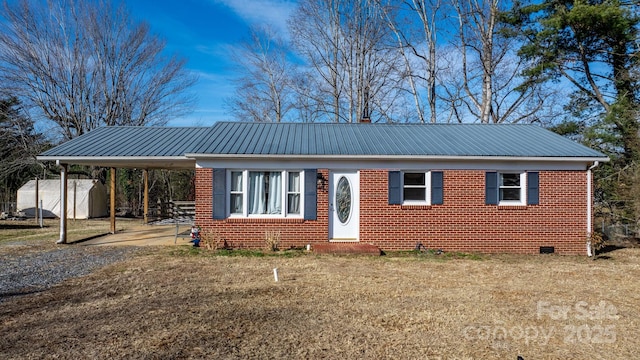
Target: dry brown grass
x,y
28,231
167,305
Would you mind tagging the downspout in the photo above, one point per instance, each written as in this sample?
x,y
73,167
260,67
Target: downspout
x,y
589,207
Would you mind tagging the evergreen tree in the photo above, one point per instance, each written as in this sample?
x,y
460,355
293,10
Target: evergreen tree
x,y
591,45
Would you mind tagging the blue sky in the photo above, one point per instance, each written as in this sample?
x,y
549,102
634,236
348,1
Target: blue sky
x,y
202,31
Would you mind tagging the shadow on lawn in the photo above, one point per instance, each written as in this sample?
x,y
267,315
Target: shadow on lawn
x,y
17,225
612,246
9,294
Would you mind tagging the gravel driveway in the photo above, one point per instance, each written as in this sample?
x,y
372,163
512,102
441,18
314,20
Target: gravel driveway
x,y
33,271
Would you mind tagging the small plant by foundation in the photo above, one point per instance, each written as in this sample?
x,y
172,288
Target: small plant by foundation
x,y
211,241
272,240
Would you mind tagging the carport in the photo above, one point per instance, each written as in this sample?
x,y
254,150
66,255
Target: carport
x,y
132,147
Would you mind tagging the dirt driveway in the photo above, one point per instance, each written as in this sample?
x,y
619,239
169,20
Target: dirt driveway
x,y
142,235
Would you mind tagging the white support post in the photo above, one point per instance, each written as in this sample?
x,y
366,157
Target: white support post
x,y
75,197
112,206
35,214
63,204
145,177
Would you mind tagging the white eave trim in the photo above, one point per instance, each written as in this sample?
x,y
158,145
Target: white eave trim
x,y
206,157
159,162
71,159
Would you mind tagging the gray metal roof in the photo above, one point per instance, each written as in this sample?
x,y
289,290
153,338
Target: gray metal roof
x,y
178,147
324,139
133,141
131,147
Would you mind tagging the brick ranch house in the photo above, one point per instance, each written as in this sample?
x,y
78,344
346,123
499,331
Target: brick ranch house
x,y
456,187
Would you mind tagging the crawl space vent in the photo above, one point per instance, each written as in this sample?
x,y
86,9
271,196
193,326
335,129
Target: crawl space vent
x,y
547,250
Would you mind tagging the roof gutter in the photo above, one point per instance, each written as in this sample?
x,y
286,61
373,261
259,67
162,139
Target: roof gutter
x,y
64,159
148,162
393,157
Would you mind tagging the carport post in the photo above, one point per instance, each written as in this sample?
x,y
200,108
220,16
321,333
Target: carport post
x,y
35,214
75,198
112,214
145,177
63,204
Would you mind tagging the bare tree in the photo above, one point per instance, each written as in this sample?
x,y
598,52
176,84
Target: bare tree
x,y
352,66
85,64
484,69
264,90
315,29
308,99
416,33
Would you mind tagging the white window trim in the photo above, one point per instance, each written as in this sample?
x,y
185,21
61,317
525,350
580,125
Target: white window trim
x,y
245,195
523,189
427,185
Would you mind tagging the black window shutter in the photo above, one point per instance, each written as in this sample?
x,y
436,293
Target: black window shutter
x,y
437,195
491,188
219,193
310,194
395,190
533,192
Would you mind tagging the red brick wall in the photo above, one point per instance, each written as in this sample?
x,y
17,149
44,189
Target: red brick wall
x,y
462,223
250,233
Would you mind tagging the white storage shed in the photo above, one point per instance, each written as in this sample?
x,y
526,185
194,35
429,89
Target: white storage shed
x,y
85,198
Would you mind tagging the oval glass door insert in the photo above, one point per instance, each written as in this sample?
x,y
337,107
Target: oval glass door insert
x,y
343,199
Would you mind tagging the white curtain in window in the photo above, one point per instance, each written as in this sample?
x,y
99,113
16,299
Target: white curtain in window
x,y
256,193
236,181
236,195
294,193
275,193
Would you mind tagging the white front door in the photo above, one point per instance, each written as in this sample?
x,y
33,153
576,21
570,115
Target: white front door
x,y
344,205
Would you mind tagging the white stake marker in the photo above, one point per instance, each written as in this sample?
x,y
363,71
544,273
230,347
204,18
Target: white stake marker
x,y
275,274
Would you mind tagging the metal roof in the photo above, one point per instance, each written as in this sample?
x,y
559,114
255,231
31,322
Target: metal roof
x,y
362,139
179,146
133,141
131,146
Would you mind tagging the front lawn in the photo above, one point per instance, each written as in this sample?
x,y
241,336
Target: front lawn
x,y
165,303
